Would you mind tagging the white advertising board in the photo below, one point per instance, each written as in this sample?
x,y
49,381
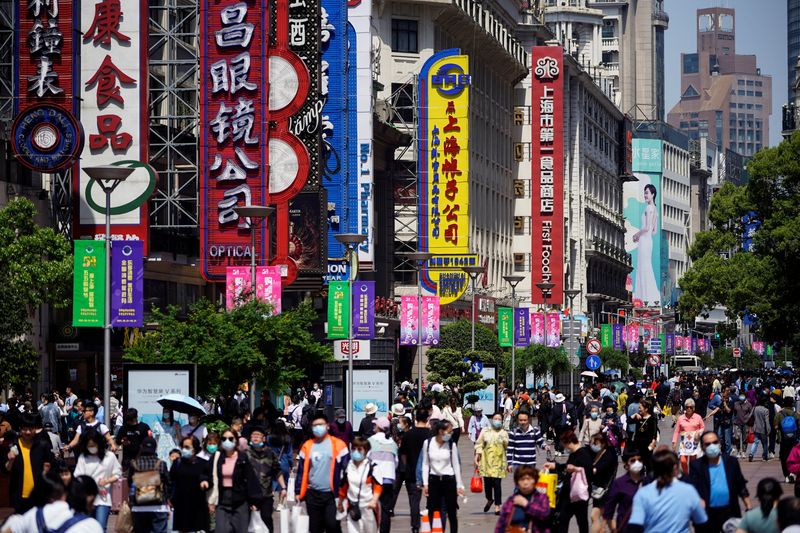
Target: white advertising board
x,y
370,385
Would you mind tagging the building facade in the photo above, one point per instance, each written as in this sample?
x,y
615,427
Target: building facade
x,y
724,95
792,44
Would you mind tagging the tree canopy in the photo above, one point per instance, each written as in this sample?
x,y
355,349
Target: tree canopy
x,y
458,336
230,346
448,367
761,282
35,269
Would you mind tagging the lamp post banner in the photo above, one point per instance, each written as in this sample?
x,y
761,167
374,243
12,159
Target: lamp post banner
x,y
504,328
618,336
605,335
430,320
127,284
88,289
237,284
553,330
268,286
363,309
633,337
409,320
338,310
522,327
537,328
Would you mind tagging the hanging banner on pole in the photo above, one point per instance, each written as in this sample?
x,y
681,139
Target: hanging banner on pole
x,y
88,289
694,344
363,309
504,326
237,285
605,335
537,328
522,327
669,343
127,284
338,310
409,319
553,330
268,286
618,337
633,337
430,320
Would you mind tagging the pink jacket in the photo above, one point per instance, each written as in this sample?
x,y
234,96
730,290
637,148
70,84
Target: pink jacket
x,y
793,462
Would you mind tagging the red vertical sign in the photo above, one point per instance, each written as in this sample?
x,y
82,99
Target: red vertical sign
x,y
547,177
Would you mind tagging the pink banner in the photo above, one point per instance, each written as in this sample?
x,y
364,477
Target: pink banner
x,y
678,341
430,320
537,328
633,337
687,343
553,330
268,286
237,285
409,320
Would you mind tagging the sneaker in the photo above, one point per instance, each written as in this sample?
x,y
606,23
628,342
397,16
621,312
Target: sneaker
x,y
786,480
750,458
764,459
772,456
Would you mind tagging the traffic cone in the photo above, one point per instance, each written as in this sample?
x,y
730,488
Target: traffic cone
x,y
425,524
437,523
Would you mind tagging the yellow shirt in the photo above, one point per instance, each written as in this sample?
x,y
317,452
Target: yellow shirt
x,y
622,399
27,470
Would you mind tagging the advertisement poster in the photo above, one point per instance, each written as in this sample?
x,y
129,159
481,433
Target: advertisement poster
x,y
618,337
338,310
127,284
633,337
537,328
694,344
553,330
363,309
522,327
487,398
145,384
237,285
409,321
370,385
642,212
678,342
88,284
605,335
669,341
307,235
505,328
430,320
268,286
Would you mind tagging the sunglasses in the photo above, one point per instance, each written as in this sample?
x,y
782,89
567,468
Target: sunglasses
x,y
229,439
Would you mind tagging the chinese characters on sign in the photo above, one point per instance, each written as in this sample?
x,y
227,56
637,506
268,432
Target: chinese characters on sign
x,y
88,305
547,173
127,284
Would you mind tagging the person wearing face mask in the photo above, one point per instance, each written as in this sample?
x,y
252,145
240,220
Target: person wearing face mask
x,y
619,499
194,428
167,433
522,442
238,487
527,509
321,461
490,461
131,435
210,453
580,458
341,428
477,423
644,439
268,470
149,516
441,473
361,489
102,466
190,478
719,482
384,453
742,414
592,425
604,468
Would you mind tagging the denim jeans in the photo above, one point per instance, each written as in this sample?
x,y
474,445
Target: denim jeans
x,y
764,439
150,522
726,436
100,514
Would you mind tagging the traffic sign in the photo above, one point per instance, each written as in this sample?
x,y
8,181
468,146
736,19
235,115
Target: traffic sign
x,y
592,362
737,352
654,347
571,328
654,360
593,346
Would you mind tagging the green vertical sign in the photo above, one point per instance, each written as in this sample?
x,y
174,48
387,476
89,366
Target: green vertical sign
x,y
338,310
505,325
663,338
89,282
605,335
769,351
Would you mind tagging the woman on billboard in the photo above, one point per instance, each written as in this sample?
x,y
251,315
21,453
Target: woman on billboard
x,y
645,287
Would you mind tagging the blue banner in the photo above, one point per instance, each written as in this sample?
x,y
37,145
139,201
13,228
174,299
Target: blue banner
x,y
522,326
617,337
670,343
363,309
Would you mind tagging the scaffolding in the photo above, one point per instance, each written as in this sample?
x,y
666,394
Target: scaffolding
x,y
6,68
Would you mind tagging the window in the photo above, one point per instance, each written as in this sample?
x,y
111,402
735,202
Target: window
x,y
759,93
740,82
691,64
749,83
404,36
749,93
690,92
759,84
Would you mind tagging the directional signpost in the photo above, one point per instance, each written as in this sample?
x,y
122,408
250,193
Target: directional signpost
x,y
593,362
655,346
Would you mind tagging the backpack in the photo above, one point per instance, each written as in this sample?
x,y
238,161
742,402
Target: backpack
x,y
305,416
147,484
77,517
789,426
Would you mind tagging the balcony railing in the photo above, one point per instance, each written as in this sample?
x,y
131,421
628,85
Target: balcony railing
x,y
611,68
610,42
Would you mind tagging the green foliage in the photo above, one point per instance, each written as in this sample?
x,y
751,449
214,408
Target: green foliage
x,y
538,359
448,367
614,359
762,282
35,269
458,336
229,347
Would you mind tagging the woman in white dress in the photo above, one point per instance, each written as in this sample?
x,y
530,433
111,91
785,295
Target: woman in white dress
x,y
645,287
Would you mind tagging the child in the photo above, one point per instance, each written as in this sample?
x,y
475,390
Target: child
x,y
527,509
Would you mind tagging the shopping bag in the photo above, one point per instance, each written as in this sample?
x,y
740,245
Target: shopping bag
x,y
299,519
124,519
667,411
751,437
290,488
548,482
476,484
579,488
257,525
285,513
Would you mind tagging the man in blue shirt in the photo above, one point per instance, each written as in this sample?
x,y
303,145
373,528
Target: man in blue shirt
x,y
719,482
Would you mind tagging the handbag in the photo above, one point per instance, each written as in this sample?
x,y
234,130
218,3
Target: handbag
x,y
579,488
476,483
597,491
124,518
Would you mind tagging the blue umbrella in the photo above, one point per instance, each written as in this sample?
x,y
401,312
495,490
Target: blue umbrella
x,y
182,404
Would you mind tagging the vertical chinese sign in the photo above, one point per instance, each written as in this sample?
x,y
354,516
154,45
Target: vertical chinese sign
x,y
232,162
522,327
363,309
114,114
537,327
547,176
268,286
429,320
338,310
127,284
505,321
443,173
237,285
409,321
88,294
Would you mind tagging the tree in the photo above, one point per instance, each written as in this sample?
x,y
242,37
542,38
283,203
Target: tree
x,y
448,367
614,359
230,347
35,269
458,336
760,282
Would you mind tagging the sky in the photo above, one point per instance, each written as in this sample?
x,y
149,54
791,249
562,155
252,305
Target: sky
x,y
760,30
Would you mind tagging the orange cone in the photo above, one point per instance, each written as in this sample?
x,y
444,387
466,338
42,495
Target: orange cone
x,y
425,524
437,523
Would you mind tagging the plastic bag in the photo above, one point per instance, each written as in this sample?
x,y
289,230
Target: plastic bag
x,y
299,519
579,488
257,525
547,482
476,484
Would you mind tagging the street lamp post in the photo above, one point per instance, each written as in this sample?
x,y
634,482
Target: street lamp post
x,y
108,177
419,259
473,271
571,294
256,214
546,287
351,242
513,281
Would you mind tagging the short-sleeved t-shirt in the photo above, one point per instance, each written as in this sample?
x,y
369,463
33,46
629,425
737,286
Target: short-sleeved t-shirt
x,y
411,448
754,521
719,486
667,510
319,474
98,426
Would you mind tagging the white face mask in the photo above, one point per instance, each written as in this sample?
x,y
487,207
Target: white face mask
x,y
636,467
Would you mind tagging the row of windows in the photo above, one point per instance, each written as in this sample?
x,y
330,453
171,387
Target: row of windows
x,y
750,83
675,189
746,149
741,92
745,135
739,105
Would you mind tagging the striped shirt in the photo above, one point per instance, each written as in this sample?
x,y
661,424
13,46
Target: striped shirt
x,y
522,446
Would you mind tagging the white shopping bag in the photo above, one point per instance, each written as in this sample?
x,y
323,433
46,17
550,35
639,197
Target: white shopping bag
x,y
284,519
257,525
299,519
290,488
